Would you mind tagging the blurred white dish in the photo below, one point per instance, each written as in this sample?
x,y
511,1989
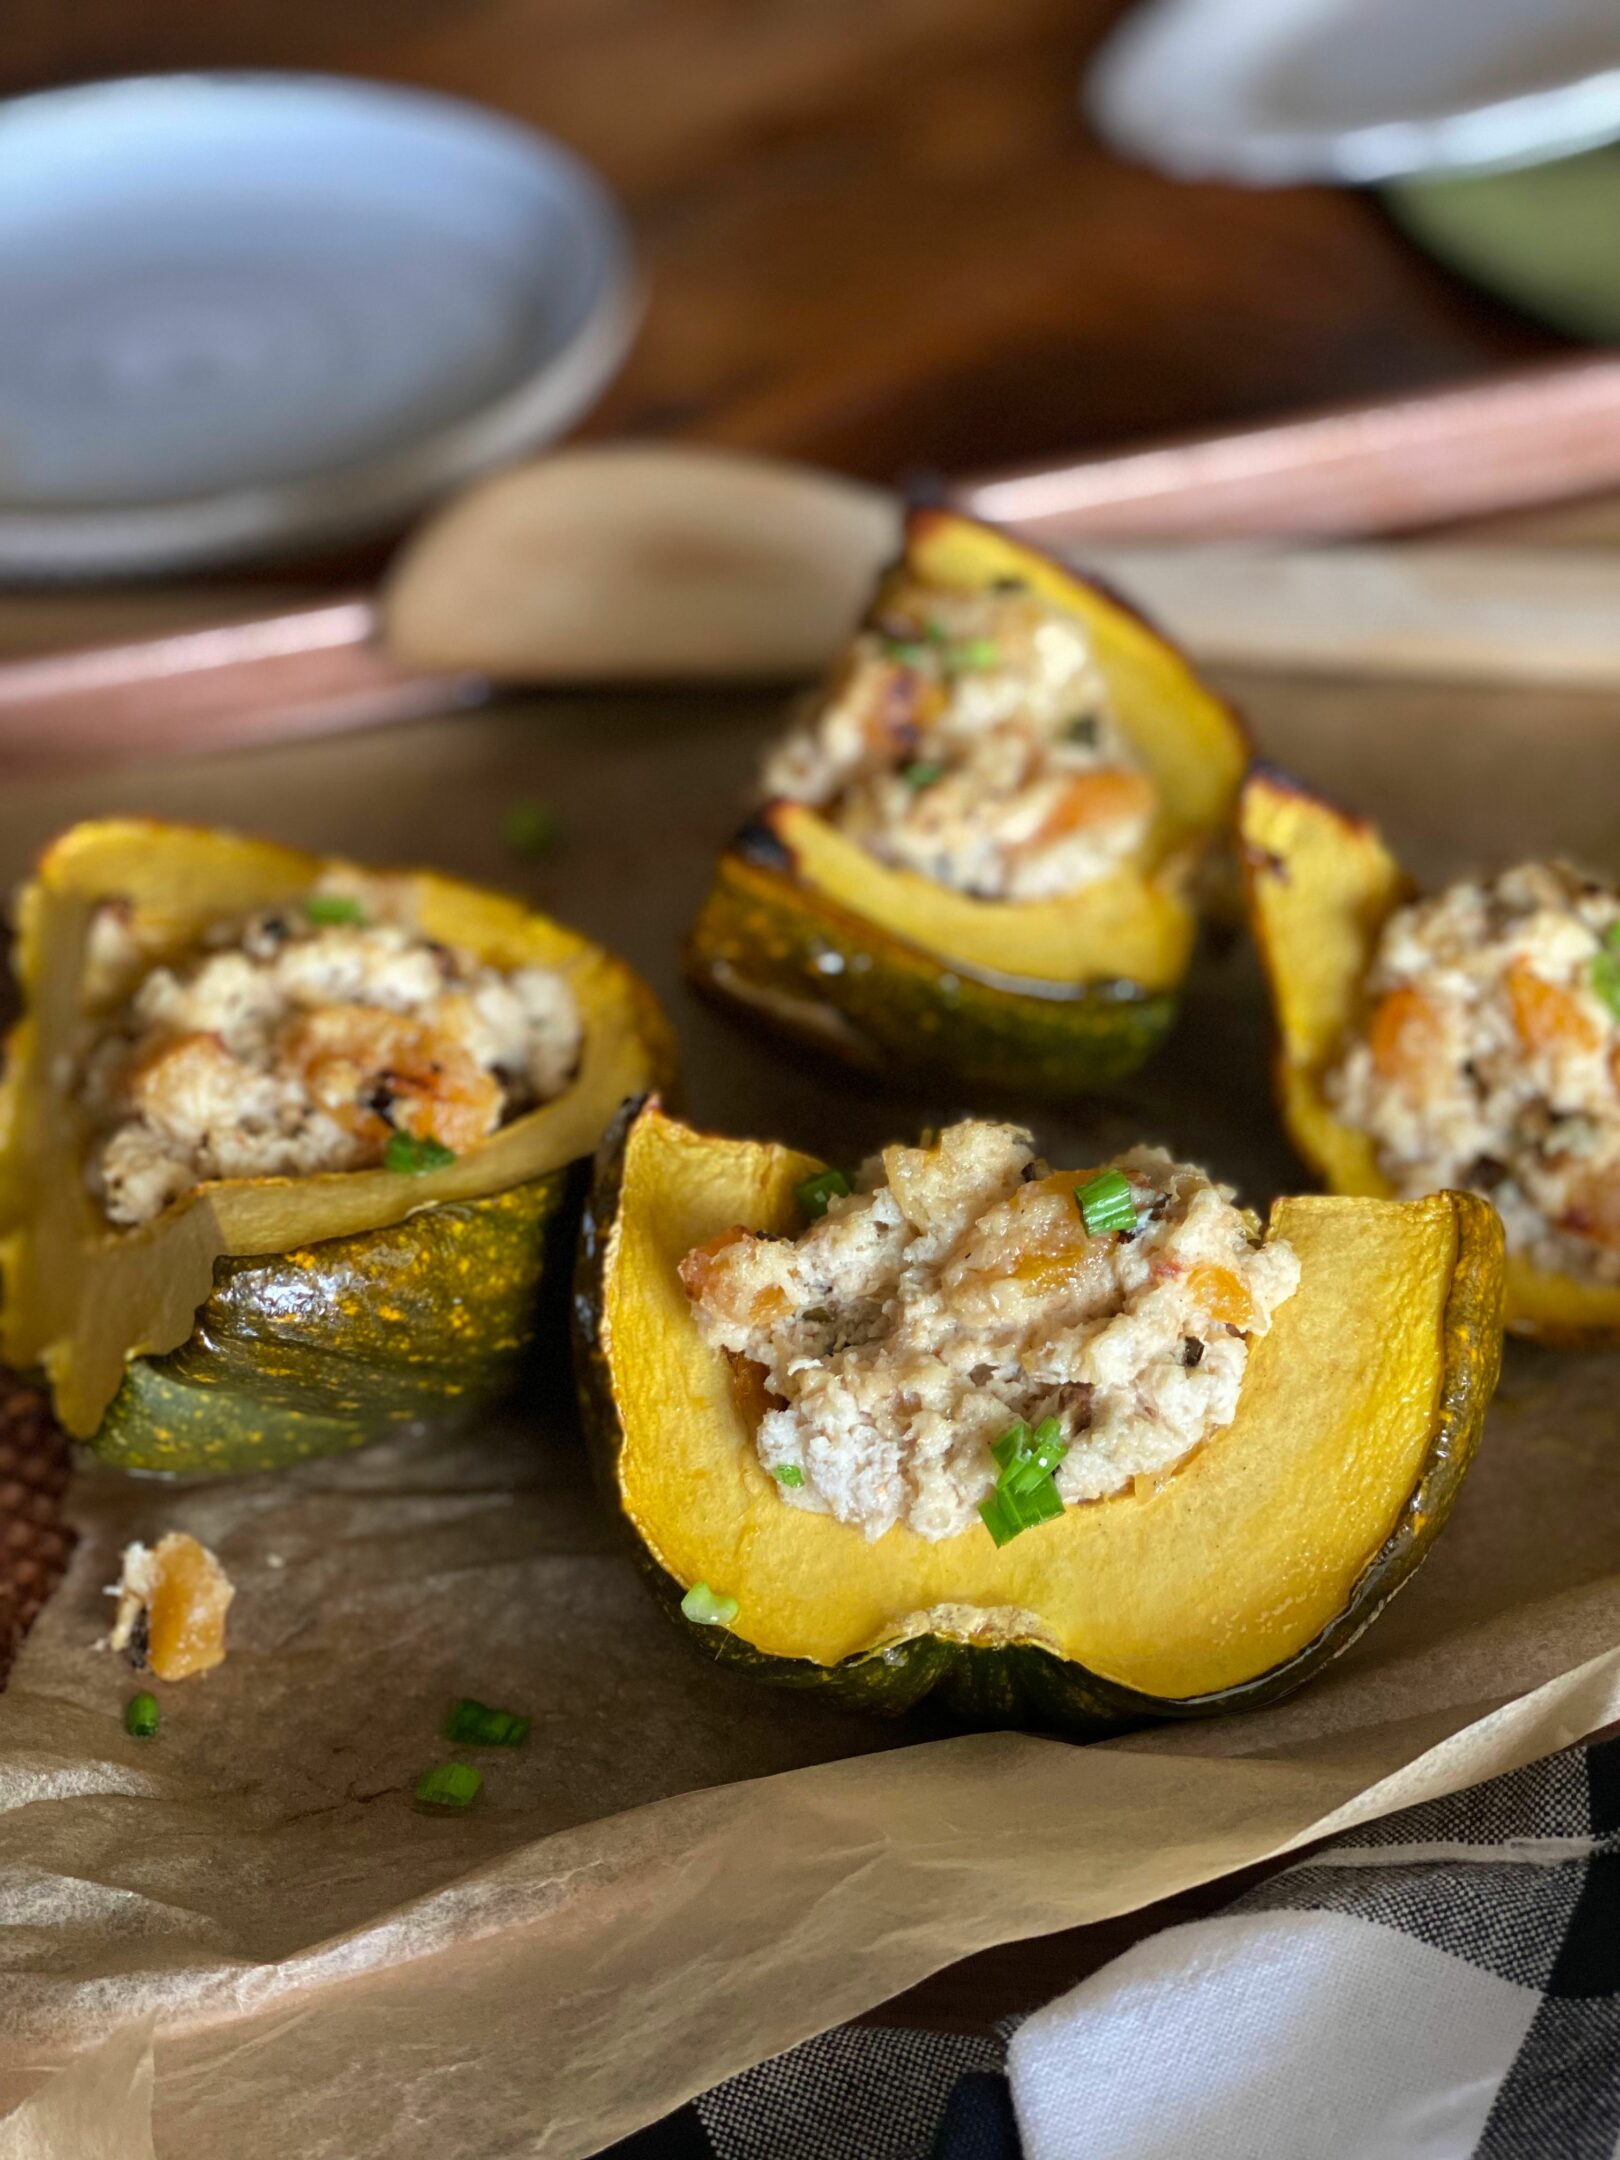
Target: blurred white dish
x,y
246,313
1357,90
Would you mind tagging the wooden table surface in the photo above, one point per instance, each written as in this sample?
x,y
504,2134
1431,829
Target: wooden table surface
x,y
879,236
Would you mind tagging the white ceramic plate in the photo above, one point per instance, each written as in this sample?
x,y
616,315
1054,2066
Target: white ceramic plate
x,y
1276,91
241,314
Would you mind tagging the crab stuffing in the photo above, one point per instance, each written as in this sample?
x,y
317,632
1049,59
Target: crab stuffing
x,y
956,1292
304,1038
969,738
1490,1058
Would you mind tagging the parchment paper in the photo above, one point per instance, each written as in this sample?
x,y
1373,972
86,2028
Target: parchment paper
x,y
681,1873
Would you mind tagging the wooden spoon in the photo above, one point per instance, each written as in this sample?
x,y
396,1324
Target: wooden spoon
x,y
624,563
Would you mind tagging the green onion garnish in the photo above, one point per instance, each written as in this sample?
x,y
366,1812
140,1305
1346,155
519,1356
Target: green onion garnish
x,y
141,1717
907,652
816,1191
1025,1493
449,1785
707,1608
474,1724
333,907
980,652
1007,1515
411,1157
1606,969
788,1474
1013,1445
530,829
1107,1203
922,774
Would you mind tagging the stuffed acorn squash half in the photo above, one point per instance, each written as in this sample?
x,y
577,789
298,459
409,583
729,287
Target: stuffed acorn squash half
x,y
1470,1038
281,1140
1077,1448
976,852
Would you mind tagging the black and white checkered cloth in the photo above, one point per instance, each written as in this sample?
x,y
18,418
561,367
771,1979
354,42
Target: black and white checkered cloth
x,y
1444,1983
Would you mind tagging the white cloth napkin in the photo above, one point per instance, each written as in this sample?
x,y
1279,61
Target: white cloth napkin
x,y
1445,1985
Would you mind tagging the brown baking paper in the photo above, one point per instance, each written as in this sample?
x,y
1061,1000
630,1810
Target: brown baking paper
x,y
681,1874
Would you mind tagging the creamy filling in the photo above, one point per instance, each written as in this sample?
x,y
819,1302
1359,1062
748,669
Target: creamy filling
x,y
1490,1057
957,1292
968,737
323,1035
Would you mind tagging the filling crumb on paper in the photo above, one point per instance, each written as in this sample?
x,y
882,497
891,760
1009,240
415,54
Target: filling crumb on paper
x,y
172,1601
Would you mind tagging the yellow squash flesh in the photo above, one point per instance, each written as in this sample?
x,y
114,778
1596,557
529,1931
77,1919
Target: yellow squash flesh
x,y
1267,1550
1320,886
81,1298
809,930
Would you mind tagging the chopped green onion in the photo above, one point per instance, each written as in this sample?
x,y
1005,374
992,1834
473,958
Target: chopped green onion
x,y
1025,1493
707,1607
1027,1458
980,652
332,907
1107,1203
531,829
907,652
788,1474
474,1724
1007,1514
1013,1445
1606,969
410,1157
998,1519
921,774
815,1192
141,1717
449,1785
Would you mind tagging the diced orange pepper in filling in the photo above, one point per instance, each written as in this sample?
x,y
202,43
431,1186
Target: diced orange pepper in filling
x,y
698,1271
1548,1017
1045,1270
1221,1295
1108,795
1406,1037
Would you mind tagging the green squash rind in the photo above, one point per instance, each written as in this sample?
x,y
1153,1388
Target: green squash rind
x,y
822,975
316,1351
1026,1683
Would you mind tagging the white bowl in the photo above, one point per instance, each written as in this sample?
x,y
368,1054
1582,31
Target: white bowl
x,y
242,314
1276,91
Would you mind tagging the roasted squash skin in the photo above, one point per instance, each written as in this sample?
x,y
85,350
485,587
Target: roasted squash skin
x,y
1319,886
810,934
259,1322
831,978
988,1654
